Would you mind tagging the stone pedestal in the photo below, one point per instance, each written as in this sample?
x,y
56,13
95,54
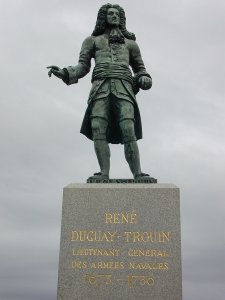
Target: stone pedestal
x,y
120,241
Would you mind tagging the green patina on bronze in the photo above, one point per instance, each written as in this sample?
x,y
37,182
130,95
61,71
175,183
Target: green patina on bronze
x,y
112,115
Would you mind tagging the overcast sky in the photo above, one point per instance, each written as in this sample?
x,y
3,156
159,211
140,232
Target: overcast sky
x,y
183,46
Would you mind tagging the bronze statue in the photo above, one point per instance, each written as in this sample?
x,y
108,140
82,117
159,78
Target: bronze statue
x,y
112,115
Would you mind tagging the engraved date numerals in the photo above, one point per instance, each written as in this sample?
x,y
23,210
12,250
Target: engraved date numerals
x,y
134,280
97,280
107,279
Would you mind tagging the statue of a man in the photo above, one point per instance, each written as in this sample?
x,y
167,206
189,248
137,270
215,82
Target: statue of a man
x,y
112,115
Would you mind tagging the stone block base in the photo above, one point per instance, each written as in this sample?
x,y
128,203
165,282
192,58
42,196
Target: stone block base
x,y
120,242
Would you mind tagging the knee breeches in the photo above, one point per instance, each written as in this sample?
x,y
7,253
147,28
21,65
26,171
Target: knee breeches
x,y
100,115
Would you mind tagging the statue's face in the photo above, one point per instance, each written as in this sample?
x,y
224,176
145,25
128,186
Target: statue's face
x,y
113,17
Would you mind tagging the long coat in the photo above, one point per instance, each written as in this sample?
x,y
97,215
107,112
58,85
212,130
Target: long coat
x,y
127,54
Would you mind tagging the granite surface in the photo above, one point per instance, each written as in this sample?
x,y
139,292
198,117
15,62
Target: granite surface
x,y
120,241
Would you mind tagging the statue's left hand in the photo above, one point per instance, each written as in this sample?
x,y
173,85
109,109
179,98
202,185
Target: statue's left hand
x,y
145,82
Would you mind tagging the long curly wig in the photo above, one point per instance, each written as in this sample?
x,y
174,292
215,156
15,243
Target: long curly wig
x,y
101,21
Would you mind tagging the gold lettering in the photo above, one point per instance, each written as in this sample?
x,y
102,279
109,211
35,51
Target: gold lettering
x,y
108,218
147,252
104,237
74,236
95,252
116,219
142,280
133,217
121,218
164,237
98,279
79,264
82,236
127,236
166,266
112,236
90,239
147,237
93,236
136,237
124,218
112,265
148,266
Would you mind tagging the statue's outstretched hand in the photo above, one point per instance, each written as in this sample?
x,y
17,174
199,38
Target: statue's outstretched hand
x,y
145,82
56,71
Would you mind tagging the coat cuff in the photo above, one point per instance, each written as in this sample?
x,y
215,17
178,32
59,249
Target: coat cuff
x,y
140,74
70,75
66,76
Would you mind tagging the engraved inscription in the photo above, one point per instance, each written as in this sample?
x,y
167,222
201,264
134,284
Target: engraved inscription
x,y
140,280
108,279
127,236
147,252
95,252
98,279
121,218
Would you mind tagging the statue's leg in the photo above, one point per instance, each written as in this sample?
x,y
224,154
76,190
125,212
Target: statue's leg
x,y
99,124
126,117
130,146
99,127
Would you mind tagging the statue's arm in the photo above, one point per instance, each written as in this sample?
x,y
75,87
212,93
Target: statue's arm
x,y
73,73
138,67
